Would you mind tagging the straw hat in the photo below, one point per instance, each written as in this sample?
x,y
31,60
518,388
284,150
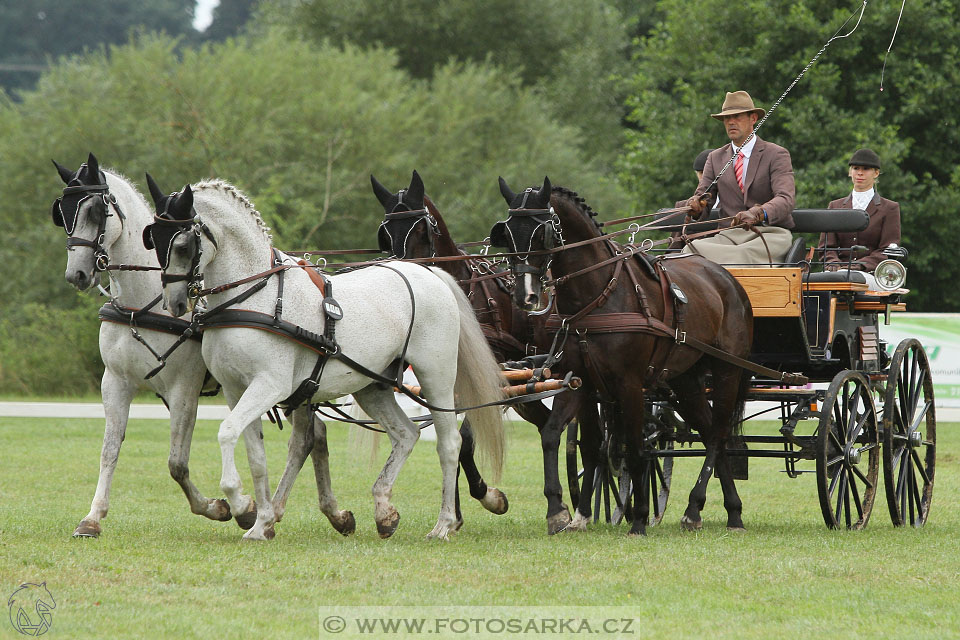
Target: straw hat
x,y
737,102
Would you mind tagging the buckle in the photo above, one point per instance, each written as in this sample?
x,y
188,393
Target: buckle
x,y
681,336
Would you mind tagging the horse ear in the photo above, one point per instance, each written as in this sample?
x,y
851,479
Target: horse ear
x,y
65,174
155,192
505,191
383,194
93,164
415,191
182,205
545,192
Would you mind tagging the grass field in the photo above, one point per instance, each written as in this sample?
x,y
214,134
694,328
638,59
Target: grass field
x,y
160,572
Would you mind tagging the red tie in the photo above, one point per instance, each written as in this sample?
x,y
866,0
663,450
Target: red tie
x,y
738,167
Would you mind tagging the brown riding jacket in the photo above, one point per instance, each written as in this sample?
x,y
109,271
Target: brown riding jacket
x,y
768,183
883,230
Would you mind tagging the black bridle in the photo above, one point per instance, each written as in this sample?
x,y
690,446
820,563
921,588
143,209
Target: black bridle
x,y
66,211
161,235
502,235
385,238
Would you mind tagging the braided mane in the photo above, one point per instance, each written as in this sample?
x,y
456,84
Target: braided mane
x,y
226,188
576,201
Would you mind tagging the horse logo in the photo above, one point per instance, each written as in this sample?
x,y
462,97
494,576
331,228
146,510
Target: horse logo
x,y
31,609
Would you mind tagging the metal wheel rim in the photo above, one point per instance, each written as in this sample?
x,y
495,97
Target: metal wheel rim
x,y
848,452
909,435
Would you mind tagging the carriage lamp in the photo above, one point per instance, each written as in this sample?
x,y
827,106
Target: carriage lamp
x,y
890,275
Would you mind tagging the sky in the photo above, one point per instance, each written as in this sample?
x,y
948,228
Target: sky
x,y
203,14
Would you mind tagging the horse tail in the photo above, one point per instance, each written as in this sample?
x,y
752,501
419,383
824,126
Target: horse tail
x,y
478,381
741,403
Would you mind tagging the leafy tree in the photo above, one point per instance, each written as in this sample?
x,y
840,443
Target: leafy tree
x,y
573,53
684,66
298,127
31,32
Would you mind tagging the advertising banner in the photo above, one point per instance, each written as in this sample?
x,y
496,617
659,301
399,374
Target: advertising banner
x,y
940,335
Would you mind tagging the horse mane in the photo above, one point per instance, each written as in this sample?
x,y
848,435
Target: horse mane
x,y
113,173
224,187
573,199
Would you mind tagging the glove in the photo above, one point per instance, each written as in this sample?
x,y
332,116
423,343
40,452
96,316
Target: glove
x,y
749,218
831,266
699,205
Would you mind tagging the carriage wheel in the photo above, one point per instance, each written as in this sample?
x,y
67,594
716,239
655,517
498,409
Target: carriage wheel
x,y
659,433
848,452
909,435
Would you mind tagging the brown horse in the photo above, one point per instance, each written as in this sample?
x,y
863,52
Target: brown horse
x,y
414,228
625,327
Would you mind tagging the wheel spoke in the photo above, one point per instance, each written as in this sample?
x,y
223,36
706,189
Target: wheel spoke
x,y
866,481
841,494
920,416
913,495
921,469
856,495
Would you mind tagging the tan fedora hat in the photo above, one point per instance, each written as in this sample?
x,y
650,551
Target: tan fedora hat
x,y
737,102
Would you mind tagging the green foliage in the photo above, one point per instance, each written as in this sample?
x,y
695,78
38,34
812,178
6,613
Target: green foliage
x,y
684,66
43,349
298,127
573,53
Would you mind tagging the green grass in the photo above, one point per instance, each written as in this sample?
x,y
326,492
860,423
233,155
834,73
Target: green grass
x,y
159,572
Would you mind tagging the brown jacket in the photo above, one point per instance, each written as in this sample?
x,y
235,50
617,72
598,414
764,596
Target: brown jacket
x,y
768,183
884,229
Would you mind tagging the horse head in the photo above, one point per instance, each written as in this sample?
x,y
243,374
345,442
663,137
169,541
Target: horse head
x,y
529,233
401,233
175,235
83,210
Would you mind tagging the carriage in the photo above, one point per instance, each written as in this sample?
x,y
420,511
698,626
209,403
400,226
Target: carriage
x,y
860,403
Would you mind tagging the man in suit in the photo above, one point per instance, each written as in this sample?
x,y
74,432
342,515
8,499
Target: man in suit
x,y
884,227
757,191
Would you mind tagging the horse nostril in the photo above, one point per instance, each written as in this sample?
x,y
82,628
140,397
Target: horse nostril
x,y
531,299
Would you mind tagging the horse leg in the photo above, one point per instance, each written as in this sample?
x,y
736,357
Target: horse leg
x,y
565,408
591,440
729,394
263,528
183,418
492,499
629,421
298,448
310,437
117,394
244,418
378,402
448,450
343,521
696,412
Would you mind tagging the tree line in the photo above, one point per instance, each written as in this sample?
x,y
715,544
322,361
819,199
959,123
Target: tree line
x,y
309,97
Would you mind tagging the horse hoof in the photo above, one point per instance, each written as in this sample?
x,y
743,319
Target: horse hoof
x,y
578,524
269,532
688,524
87,529
495,501
457,525
247,519
558,522
220,510
344,523
387,526
739,529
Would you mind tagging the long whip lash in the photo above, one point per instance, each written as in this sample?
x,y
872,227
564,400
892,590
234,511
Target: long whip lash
x,y
813,60
895,29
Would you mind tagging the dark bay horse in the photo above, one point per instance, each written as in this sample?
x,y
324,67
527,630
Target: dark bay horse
x,y
414,228
623,326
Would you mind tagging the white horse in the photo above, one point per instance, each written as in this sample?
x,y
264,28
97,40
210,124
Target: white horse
x,y
390,314
104,216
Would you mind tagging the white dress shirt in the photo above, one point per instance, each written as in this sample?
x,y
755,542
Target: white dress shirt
x,y
860,199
